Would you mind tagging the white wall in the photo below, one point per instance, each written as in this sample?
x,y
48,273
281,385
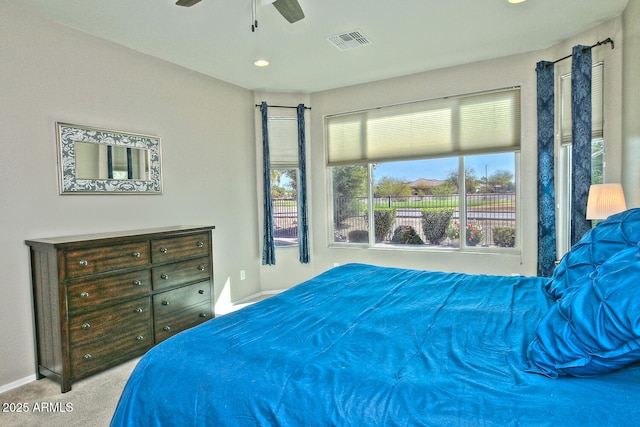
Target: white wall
x,y
631,104
52,73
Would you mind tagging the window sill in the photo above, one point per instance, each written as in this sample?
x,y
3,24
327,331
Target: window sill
x,y
426,248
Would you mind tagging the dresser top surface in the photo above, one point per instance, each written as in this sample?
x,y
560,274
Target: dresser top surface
x,y
146,233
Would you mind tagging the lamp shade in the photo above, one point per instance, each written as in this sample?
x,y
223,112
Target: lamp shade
x,y
605,200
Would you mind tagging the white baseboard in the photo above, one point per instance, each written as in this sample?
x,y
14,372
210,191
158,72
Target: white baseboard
x,y
17,383
256,296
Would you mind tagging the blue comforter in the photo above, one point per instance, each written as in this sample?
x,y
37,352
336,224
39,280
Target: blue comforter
x,y
361,345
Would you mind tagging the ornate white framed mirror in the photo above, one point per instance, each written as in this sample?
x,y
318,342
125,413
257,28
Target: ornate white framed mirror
x,y
99,161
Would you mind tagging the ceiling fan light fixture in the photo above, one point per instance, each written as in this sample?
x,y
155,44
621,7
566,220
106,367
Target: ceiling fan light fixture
x,y
187,3
289,9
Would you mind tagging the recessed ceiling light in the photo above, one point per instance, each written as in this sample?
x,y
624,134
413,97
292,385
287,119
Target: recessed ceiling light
x,y
516,1
260,62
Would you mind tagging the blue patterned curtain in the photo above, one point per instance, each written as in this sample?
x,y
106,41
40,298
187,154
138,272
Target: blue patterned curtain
x,y
581,145
546,185
302,191
268,244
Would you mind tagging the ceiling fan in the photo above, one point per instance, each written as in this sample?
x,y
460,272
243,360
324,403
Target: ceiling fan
x,y
289,9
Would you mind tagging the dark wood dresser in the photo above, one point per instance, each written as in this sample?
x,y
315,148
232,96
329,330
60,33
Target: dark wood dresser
x,y
102,299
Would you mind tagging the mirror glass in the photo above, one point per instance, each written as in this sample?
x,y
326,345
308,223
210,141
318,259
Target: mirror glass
x,y
100,161
104,161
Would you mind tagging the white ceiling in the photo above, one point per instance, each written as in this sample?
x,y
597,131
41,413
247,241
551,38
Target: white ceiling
x,y
214,37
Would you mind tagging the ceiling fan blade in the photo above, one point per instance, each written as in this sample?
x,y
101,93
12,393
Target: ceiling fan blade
x,y
289,9
187,3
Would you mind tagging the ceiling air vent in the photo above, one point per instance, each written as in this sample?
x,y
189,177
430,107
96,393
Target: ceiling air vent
x,y
349,40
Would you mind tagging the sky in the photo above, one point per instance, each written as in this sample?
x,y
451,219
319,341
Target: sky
x,y
440,168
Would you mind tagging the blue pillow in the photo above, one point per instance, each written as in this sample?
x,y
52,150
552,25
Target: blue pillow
x,y
595,327
616,233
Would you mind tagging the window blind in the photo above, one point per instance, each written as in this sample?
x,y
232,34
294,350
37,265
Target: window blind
x,y
597,101
461,125
283,142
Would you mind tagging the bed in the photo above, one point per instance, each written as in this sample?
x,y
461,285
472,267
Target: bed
x,y
364,345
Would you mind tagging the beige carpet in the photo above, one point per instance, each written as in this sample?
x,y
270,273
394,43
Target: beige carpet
x,y
90,402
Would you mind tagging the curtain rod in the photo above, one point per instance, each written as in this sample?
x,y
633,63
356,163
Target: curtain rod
x,y
608,40
282,106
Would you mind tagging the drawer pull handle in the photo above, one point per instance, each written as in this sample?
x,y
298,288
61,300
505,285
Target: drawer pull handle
x,y
166,328
139,310
84,295
201,244
164,276
165,302
84,263
136,254
137,282
88,356
201,291
204,315
86,325
202,267
164,250
140,337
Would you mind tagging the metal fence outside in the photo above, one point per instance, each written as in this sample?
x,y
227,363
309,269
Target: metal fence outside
x,y
488,210
285,221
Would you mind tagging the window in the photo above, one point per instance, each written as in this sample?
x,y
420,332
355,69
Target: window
x,y
284,194
351,203
283,155
437,173
563,192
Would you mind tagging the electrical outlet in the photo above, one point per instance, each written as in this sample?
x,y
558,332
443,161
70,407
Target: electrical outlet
x,y
243,275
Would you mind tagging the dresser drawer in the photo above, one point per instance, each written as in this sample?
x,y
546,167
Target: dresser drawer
x,y
91,293
112,322
175,248
169,275
167,303
170,325
97,260
103,336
